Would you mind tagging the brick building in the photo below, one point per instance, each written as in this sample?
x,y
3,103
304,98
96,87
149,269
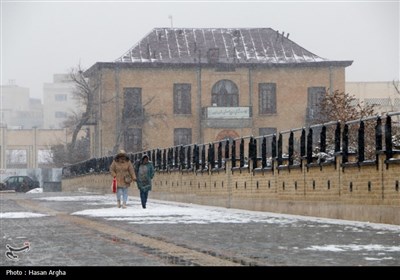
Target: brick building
x,y
185,85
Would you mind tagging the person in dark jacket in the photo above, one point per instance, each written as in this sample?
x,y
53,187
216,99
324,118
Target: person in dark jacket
x,y
144,170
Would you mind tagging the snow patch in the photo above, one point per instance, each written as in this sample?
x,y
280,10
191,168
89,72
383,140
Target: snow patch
x,y
20,215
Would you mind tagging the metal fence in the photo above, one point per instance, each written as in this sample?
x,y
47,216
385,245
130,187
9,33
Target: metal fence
x,y
357,141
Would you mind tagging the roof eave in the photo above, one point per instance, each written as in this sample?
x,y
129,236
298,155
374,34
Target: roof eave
x,y
100,65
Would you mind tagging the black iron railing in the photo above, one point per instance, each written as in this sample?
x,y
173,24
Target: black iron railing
x,y
353,140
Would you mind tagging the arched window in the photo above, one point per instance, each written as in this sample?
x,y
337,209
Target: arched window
x,y
225,94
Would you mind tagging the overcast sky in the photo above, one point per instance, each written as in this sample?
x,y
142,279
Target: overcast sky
x,y
42,38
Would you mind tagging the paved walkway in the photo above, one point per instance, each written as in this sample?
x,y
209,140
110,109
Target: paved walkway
x,y
75,229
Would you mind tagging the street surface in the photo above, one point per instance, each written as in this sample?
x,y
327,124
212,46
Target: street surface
x,y
81,229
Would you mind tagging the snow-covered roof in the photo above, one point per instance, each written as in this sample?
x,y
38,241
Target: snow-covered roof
x,y
218,45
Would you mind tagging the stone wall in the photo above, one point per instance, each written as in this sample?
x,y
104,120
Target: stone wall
x,y
364,192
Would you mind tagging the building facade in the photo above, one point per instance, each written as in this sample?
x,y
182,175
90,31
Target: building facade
x,y
18,110
182,86
29,148
58,101
382,94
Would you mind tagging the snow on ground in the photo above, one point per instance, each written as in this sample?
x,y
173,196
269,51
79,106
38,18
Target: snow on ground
x,y
36,190
159,211
169,212
100,199
20,215
354,247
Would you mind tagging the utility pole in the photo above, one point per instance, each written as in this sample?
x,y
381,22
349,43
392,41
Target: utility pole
x,y
170,18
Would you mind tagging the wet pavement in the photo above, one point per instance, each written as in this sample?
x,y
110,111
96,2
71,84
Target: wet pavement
x,y
76,229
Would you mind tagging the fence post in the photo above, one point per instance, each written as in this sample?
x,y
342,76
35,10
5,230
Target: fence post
x,y
345,144
378,134
203,157
322,146
189,157
157,163
233,153
165,159
280,160
303,143
226,149
361,142
254,153
181,157
337,137
210,156
219,155
291,148
273,144
388,138
196,158
170,158
241,152
309,145
153,156
176,157
264,152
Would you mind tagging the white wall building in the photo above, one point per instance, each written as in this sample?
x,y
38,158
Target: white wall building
x,y
58,101
383,94
18,110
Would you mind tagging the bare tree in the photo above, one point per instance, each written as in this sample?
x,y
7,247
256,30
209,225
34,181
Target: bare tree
x,y
85,94
396,128
343,107
61,153
135,116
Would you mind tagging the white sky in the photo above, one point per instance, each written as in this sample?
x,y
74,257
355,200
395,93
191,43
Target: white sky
x,y
42,38
169,212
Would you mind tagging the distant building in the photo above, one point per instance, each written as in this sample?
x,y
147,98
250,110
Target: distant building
x,y
382,94
24,142
179,86
29,148
58,101
18,110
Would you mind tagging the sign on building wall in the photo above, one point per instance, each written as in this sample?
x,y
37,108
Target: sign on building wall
x,y
228,112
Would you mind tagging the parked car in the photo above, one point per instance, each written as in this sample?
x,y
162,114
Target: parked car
x,y
19,183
